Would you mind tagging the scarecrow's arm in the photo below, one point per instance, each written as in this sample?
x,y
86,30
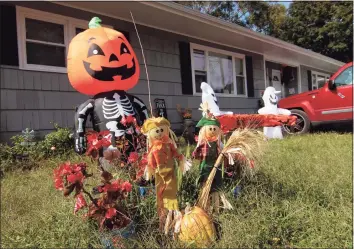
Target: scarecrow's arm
x,y
81,114
150,167
175,152
198,153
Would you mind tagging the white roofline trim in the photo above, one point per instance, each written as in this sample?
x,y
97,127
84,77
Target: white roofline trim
x,y
154,27
196,15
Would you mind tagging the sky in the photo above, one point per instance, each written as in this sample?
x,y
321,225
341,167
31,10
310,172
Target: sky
x,y
286,4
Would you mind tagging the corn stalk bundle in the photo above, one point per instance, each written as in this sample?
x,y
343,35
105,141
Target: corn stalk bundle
x,y
247,142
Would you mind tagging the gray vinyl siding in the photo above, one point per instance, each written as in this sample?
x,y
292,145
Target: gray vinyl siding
x,y
304,77
35,99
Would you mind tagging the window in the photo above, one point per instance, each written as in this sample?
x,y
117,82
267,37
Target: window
x,y
43,39
319,79
223,71
345,78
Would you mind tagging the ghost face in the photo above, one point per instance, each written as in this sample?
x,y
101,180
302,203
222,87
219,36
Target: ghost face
x,y
212,132
273,98
207,90
158,133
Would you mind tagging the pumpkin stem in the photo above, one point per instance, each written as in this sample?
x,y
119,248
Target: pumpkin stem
x,y
95,23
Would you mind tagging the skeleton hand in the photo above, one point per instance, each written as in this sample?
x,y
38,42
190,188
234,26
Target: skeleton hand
x,y
80,144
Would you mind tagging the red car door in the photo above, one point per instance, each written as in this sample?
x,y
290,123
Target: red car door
x,y
335,104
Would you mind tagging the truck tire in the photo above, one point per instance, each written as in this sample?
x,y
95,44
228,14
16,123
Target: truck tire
x,y
303,123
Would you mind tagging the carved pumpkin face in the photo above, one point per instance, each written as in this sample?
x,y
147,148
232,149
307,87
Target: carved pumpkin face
x,y
101,60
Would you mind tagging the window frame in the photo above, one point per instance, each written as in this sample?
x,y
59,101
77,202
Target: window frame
x,y
233,55
69,26
326,75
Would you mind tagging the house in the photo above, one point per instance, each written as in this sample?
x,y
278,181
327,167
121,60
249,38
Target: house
x,y
183,48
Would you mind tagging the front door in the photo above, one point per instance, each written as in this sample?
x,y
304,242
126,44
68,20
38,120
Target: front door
x,y
336,104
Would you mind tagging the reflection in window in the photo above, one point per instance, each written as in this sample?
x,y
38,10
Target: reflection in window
x,y
221,77
45,43
345,78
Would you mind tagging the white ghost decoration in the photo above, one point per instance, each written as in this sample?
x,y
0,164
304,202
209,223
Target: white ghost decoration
x,y
270,100
208,96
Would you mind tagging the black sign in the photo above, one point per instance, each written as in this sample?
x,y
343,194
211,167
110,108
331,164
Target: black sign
x,y
161,108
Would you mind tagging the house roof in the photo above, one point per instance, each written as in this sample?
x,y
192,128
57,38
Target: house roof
x,y
173,17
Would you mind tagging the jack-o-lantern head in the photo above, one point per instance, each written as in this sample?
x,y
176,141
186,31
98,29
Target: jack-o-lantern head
x,y
101,60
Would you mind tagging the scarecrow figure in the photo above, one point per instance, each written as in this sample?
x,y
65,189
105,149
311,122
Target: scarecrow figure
x,y
207,151
162,152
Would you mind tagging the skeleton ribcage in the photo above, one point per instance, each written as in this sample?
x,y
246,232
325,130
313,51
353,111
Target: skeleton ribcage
x,y
118,107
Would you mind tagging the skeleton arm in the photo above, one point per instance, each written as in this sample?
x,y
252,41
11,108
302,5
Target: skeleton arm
x,y
140,108
82,112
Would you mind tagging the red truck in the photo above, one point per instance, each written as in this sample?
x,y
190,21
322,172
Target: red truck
x,y
332,103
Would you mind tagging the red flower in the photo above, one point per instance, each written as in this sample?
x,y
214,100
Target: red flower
x,y
96,141
133,157
110,213
72,172
126,186
128,120
252,164
75,177
80,203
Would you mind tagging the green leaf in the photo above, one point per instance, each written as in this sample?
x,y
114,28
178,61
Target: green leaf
x,y
95,23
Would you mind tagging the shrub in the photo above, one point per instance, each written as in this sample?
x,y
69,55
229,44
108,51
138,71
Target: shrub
x,y
58,142
21,155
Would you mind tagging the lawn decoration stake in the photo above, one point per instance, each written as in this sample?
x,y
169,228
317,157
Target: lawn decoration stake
x,y
270,100
162,150
101,62
208,96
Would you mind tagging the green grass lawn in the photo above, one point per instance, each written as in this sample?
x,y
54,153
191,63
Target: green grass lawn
x,y
300,197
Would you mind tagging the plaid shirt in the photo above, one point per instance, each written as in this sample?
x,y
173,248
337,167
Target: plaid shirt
x,y
201,152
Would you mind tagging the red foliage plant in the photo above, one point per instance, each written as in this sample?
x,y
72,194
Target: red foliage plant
x,y
129,154
106,209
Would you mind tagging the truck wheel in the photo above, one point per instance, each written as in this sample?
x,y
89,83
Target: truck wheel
x,y
302,125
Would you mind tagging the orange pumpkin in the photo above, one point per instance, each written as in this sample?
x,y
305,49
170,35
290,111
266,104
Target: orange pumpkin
x,y
197,228
101,60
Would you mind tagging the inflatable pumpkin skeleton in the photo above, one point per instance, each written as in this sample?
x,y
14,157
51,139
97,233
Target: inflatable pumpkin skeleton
x,y
102,63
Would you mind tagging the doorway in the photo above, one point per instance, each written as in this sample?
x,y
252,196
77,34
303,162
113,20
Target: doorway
x,y
282,77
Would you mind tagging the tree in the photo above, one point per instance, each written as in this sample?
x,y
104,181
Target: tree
x,y
323,27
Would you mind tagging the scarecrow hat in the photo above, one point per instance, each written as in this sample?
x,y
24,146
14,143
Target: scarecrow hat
x,y
208,121
153,123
